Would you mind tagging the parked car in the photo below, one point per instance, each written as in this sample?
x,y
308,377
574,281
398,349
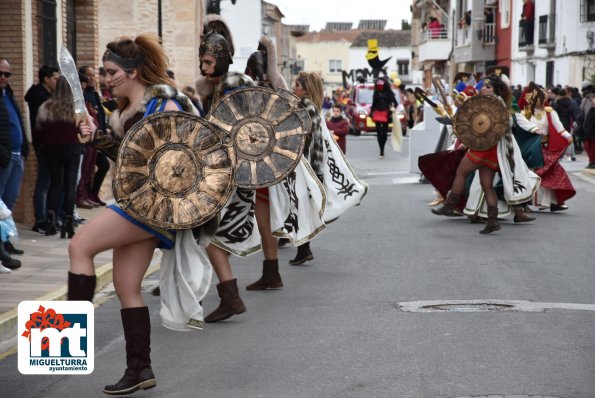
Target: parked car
x,y
358,109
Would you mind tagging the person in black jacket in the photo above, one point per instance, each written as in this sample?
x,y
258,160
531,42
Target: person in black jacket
x,y
37,95
589,134
14,146
380,111
565,110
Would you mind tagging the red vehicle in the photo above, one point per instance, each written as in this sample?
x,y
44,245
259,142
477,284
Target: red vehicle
x,y
358,109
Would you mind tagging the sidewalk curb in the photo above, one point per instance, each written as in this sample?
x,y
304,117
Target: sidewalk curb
x,y
9,320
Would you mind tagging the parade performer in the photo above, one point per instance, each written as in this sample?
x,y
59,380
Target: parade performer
x,y
527,137
382,99
136,71
519,182
236,233
216,54
556,187
342,187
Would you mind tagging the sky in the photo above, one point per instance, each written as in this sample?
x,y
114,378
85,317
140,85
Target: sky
x,y
317,13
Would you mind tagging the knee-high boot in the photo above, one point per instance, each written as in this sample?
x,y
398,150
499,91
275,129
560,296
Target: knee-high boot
x,y
492,224
81,287
231,303
137,333
449,208
270,279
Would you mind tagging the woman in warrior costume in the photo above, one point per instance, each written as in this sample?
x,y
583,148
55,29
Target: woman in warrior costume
x,y
308,87
487,162
136,71
556,187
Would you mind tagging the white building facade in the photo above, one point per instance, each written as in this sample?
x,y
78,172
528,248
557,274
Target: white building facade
x,y
563,48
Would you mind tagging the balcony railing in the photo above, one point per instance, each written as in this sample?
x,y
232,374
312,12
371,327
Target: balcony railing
x,y
546,31
436,34
489,33
463,36
526,36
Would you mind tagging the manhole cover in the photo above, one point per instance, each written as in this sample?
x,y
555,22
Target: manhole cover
x,y
468,307
489,305
505,396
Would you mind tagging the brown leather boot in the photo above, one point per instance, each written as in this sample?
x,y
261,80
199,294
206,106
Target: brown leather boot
x,y
270,279
521,216
137,333
231,303
449,209
492,224
476,219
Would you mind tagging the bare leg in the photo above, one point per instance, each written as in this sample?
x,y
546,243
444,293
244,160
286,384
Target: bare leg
x,y
220,261
465,168
263,219
486,178
108,230
130,264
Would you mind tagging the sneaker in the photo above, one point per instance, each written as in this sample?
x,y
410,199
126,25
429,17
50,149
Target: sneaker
x,y
4,270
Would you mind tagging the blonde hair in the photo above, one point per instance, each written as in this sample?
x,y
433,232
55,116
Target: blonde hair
x,y
151,59
312,85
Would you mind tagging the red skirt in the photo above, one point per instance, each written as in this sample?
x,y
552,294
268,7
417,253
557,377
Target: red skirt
x,y
487,158
440,169
554,177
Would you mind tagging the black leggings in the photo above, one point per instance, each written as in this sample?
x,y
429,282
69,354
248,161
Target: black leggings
x,y
381,135
63,163
102,169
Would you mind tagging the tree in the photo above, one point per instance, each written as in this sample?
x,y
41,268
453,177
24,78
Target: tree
x,y
405,25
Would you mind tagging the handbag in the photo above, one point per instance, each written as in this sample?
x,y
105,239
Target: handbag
x,y
380,116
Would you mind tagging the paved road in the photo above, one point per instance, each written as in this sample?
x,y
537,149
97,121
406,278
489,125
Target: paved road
x,y
336,329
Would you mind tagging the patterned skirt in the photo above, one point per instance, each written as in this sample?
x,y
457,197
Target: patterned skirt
x,y
554,177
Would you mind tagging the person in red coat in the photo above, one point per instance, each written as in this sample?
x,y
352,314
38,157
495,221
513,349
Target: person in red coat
x,y
339,127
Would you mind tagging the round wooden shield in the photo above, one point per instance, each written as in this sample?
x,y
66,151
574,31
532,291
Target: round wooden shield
x,y
481,122
267,130
174,170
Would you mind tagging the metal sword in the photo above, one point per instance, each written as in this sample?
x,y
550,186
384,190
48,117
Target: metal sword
x,y
70,73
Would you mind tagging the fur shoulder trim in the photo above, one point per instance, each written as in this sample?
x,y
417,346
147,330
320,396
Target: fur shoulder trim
x,y
168,92
273,75
231,81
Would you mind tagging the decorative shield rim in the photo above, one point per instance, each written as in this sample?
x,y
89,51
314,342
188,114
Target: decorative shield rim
x,y
254,134
486,107
153,186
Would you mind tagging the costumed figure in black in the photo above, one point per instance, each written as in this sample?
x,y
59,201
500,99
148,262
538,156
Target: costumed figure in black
x,y
382,100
